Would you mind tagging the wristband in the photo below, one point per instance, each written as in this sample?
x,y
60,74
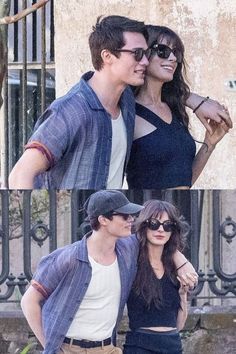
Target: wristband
x,y
204,100
181,265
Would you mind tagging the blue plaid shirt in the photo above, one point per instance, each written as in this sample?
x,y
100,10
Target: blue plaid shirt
x,y
64,276
76,132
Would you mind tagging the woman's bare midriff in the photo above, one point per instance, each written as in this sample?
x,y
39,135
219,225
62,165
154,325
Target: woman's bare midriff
x,y
159,329
180,187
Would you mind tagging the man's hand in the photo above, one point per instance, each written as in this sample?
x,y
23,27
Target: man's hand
x,y
187,276
210,110
213,112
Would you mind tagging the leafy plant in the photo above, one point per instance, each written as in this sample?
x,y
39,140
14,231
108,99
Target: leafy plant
x,y
28,348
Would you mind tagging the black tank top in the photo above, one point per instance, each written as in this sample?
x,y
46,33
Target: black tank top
x,y
163,158
140,315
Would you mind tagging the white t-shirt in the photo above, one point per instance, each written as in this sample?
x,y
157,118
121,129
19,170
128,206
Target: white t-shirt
x,y
118,153
98,311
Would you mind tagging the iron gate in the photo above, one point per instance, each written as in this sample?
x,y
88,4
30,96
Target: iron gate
x,y
29,86
38,229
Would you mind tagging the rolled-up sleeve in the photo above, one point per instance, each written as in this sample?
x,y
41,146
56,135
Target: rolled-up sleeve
x,y
50,272
51,136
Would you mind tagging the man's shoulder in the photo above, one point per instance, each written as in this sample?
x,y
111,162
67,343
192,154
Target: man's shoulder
x,y
128,96
73,98
127,242
127,249
80,99
73,108
66,252
129,92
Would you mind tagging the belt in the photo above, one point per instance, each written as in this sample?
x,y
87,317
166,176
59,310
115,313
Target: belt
x,y
83,343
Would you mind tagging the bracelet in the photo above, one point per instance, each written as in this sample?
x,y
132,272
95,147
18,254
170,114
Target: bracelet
x,y
181,265
204,100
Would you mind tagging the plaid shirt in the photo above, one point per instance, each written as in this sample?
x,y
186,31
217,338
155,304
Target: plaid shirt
x,y
63,278
75,135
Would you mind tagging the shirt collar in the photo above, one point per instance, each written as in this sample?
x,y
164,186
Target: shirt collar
x,y
91,96
83,249
88,92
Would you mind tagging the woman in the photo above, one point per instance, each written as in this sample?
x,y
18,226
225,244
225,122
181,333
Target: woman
x,y
157,305
163,152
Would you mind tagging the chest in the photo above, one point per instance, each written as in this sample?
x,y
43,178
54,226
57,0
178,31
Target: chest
x,y
105,280
166,142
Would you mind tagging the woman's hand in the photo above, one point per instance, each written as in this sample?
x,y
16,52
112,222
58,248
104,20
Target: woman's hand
x,y
183,290
183,311
213,135
218,132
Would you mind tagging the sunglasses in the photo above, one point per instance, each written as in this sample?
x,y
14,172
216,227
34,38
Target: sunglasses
x,y
138,53
163,52
124,216
154,224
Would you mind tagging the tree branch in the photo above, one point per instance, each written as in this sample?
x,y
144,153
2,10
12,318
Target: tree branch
x,y
11,19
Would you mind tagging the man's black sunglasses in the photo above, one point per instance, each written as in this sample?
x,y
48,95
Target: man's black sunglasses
x,y
138,53
163,52
124,216
154,224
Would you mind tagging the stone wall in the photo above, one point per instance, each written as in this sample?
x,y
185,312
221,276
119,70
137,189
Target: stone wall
x,y
15,333
208,330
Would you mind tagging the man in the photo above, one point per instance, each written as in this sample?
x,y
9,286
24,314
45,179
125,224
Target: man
x,y
74,144
78,293
83,140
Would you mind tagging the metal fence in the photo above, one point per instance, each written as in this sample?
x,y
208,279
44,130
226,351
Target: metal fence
x,y
29,86
18,208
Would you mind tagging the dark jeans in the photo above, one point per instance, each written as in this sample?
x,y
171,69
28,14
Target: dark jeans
x,y
150,342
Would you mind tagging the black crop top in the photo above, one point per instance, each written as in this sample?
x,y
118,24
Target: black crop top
x,y
140,315
163,158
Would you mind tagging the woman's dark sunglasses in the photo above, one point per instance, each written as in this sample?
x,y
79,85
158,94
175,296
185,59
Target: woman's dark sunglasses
x,y
154,224
138,53
163,52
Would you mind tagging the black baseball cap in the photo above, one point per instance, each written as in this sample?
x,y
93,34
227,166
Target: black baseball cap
x,y
107,201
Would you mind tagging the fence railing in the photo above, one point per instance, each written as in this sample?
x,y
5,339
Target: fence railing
x,y
29,86
30,219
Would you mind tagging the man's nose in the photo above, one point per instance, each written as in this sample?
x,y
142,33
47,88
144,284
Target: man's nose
x,y
144,60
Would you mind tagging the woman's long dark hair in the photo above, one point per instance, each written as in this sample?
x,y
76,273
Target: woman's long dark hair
x,y
176,92
145,283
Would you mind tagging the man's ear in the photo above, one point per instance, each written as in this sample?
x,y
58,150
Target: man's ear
x,y
107,56
102,220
